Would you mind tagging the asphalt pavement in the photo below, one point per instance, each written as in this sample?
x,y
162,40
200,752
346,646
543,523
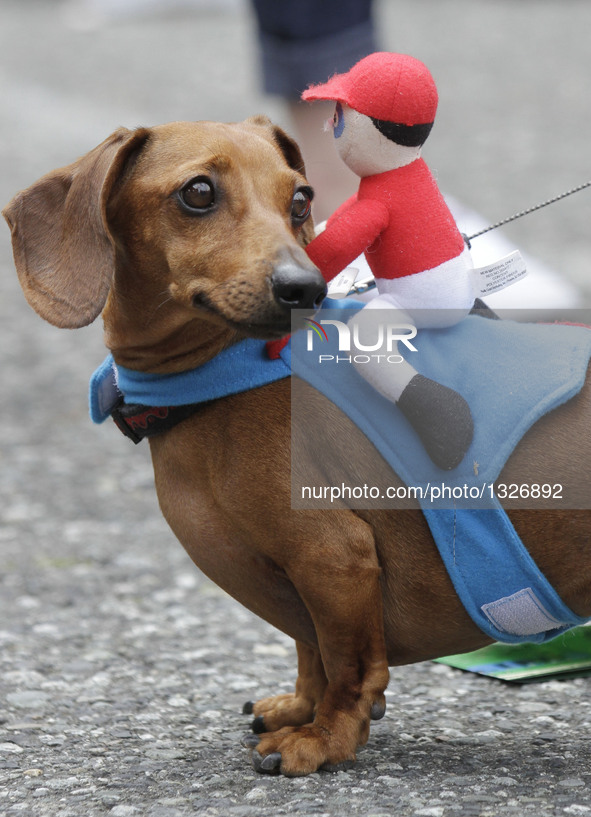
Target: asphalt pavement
x,y
123,670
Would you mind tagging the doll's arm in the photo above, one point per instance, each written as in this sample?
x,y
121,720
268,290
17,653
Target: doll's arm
x,y
349,232
342,208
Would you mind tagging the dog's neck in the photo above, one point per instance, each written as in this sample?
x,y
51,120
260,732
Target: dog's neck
x,y
155,333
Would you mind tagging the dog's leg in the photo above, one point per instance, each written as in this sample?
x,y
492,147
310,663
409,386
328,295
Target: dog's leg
x,y
349,625
293,709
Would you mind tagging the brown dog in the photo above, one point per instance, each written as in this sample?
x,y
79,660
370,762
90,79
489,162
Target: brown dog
x,y
189,237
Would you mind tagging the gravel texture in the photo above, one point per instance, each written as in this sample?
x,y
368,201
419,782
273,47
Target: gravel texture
x,y
122,669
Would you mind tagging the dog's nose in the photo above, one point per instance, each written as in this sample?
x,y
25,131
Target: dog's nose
x,y
297,287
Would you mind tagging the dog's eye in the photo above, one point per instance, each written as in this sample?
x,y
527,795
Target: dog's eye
x,y
301,204
198,194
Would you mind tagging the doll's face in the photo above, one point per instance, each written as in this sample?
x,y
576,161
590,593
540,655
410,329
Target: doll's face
x,y
363,148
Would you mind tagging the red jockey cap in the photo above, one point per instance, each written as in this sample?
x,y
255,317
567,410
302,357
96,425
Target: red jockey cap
x,y
391,87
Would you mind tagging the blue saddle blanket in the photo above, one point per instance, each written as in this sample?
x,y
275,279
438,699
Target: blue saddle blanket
x,y
510,374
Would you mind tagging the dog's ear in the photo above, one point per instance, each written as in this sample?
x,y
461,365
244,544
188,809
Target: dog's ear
x,y
293,156
62,247
288,146
290,149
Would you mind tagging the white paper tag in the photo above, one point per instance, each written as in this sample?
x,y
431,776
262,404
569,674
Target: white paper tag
x,y
341,284
501,274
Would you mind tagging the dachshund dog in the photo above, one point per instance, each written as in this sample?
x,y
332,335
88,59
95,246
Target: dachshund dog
x,y
188,238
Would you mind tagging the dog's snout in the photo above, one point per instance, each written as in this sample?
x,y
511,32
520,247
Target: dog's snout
x,y
297,287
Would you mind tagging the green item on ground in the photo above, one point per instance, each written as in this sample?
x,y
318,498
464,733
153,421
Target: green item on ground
x,y
567,656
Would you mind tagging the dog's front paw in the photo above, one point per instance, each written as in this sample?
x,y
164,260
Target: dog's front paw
x,y
299,751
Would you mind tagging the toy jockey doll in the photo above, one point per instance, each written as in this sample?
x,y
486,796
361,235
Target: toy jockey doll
x,y
385,108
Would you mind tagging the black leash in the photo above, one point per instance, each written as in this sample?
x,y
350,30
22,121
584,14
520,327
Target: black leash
x,y
529,210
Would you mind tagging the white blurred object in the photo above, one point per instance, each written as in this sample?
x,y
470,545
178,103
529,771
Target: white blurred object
x,y
343,283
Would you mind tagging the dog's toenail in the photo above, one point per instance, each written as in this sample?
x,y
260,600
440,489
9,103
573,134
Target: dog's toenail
x,y
250,741
271,762
266,765
378,710
248,708
258,725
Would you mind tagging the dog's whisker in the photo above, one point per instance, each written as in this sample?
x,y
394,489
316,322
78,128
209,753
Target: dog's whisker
x,y
165,301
